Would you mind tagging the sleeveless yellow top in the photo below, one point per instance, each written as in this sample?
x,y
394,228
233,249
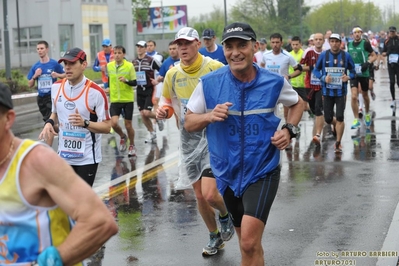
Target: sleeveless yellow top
x,y
26,230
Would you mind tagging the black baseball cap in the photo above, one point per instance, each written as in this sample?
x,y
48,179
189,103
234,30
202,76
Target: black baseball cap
x,y
392,28
5,96
238,30
263,40
73,55
208,34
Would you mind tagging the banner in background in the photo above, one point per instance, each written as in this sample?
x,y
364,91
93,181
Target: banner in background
x,y
171,20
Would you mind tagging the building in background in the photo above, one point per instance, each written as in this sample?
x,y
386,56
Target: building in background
x,y
65,24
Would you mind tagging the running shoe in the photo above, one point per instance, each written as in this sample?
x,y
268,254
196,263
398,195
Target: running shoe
x,y
337,148
131,151
152,139
367,120
227,228
123,143
316,140
153,136
360,113
373,96
215,243
355,124
160,124
393,104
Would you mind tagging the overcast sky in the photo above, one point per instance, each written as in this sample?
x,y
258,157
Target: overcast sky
x,y
197,7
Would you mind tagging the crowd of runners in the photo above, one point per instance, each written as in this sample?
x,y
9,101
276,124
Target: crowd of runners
x,y
333,63
224,99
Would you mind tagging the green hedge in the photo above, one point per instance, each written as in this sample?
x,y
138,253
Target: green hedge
x,y
19,82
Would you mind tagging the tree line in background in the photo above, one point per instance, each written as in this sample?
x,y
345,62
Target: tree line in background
x,y
291,17
295,18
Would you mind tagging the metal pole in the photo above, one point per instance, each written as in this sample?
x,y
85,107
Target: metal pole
x,y
225,13
369,17
300,17
19,37
342,28
6,41
163,26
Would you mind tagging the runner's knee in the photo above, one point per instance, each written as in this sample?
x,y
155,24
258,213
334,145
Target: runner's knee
x,y
328,119
340,118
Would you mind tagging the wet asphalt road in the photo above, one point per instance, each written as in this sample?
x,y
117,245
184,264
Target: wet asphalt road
x,y
326,205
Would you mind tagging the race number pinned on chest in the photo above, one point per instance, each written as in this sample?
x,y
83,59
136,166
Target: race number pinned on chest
x,y
72,144
358,69
314,80
183,110
393,58
336,77
141,78
44,83
273,68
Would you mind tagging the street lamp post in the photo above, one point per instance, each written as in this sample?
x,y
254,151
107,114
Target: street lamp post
x,y
225,13
6,41
300,17
19,36
369,17
342,27
163,26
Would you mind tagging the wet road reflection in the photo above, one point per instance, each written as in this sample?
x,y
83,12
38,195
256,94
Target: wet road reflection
x,y
394,141
137,202
325,202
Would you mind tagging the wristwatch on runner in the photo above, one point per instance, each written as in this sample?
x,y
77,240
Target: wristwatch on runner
x,y
293,130
87,123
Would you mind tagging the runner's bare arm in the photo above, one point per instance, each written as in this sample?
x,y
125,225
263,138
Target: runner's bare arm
x,y
94,224
48,131
96,127
196,122
100,127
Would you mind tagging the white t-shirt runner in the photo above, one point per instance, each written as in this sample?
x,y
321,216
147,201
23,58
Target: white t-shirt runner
x,y
278,63
76,144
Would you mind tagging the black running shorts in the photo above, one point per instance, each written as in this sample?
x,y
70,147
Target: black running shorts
x,y
256,200
364,83
86,172
116,110
44,103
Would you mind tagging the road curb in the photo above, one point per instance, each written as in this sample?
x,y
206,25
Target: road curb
x,y
26,112
19,100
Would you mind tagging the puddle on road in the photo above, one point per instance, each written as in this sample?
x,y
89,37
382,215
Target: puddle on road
x,y
141,197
